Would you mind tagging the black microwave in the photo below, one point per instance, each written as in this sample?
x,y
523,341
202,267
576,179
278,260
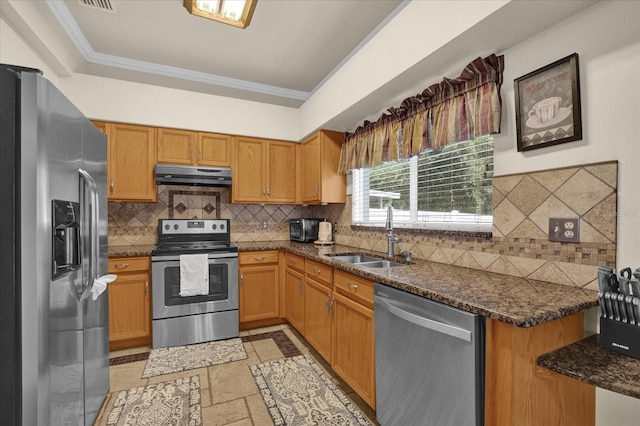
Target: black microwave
x,y
304,230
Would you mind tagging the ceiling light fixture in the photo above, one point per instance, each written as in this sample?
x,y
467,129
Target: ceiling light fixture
x,y
233,12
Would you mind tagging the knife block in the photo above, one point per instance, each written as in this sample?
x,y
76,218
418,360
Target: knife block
x,y
620,337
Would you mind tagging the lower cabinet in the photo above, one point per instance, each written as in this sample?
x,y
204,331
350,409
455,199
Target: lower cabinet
x,y
259,283
294,299
353,350
129,303
317,317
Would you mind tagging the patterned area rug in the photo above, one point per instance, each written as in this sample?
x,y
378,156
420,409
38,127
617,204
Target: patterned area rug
x,y
172,403
297,391
181,358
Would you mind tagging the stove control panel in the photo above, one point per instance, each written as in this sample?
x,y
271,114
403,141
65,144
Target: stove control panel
x,y
193,226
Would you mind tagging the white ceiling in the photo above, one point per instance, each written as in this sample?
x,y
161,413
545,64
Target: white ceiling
x,y
286,52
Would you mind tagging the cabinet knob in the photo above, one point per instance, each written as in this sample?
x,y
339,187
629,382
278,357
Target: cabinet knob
x,y
122,265
293,262
352,286
316,271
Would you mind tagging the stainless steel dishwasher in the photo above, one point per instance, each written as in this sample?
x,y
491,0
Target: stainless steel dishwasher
x,y
429,362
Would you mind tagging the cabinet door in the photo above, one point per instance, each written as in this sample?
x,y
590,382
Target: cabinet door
x,y
131,162
248,171
317,319
129,311
353,346
214,150
176,146
294,299
311,169
281,172
258,292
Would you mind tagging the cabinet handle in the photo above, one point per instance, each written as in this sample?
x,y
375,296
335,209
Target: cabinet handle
x,y
316,271
326,304
352,286
331,308
191,156
268,192
293,262
241,280
122,265
146,287
264,191
258,258
199,155
300,288
317,189
111,187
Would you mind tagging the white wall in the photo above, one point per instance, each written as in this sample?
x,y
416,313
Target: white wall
x,y
607,39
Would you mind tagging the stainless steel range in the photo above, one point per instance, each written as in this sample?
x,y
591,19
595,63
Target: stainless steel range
x,y
182,320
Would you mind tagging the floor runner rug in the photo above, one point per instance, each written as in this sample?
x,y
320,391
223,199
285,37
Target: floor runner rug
x,y
297,391
171,403
189,357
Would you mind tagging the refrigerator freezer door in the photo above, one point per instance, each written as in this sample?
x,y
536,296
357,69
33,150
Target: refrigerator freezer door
x,y
54,309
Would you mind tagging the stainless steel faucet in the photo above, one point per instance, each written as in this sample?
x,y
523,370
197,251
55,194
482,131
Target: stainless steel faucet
x,y
391,240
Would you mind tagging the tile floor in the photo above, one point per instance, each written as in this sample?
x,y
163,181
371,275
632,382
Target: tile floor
x,y
229,394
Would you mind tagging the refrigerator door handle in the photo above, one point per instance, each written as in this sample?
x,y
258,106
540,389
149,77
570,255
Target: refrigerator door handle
x,y
94,257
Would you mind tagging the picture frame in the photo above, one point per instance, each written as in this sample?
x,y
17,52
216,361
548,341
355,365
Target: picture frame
x,y
547,102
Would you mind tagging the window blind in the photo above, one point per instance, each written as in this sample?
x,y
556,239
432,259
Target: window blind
x,y
449,188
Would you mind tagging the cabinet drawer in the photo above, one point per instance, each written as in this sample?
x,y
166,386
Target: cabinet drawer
x,y
294,261
355,288
119,265
257,257
319,272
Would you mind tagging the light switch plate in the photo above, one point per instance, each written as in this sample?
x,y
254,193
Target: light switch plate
x,y
565,230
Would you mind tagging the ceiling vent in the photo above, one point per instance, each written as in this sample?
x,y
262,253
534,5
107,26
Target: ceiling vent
x,y
103,5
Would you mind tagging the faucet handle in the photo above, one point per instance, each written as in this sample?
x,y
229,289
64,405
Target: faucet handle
x,y
408,256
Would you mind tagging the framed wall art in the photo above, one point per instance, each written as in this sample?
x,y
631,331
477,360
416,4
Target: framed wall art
x,y
548,105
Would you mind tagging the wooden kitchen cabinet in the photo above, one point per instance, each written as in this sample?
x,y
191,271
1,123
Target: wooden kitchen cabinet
x,y
518,392
194,148
131,162
259,285
317,306
353,350
321,182
263,171
129,303
294,291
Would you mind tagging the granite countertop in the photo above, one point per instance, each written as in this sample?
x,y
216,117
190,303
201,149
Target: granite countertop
x,y
517,301
587,362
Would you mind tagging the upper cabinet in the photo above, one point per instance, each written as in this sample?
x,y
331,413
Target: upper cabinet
x,y
264,171
131,161
193,148
321,182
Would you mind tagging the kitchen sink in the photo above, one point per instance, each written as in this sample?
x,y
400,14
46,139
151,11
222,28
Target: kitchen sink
x,y
355,258
380,264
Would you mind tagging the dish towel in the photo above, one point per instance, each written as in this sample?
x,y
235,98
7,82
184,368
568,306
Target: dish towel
x,y
100,285
194,275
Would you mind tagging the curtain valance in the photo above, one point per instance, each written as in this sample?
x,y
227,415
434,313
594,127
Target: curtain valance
x,y
453,110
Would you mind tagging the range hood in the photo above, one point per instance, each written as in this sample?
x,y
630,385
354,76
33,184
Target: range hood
x,y
169,174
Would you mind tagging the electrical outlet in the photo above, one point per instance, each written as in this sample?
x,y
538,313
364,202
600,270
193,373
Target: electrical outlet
x,y
565,230
264,224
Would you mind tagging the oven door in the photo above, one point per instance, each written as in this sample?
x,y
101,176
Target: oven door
x,y
223,287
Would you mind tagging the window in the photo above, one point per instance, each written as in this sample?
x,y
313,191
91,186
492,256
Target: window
x,y
445,189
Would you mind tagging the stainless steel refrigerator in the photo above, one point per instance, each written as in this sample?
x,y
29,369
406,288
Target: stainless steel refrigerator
x,y
53,218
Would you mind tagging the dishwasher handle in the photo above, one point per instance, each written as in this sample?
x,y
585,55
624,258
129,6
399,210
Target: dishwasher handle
x,y
439,327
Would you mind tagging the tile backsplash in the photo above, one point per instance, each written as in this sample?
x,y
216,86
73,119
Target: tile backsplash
x,y
518,244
